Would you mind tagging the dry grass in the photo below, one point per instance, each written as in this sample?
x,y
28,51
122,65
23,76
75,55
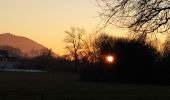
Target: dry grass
x,y
65,86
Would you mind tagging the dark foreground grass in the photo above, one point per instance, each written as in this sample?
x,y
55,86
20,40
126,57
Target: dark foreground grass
x,y
65,86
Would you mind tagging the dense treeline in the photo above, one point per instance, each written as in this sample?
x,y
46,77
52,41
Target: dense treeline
x,y
45,60
135,61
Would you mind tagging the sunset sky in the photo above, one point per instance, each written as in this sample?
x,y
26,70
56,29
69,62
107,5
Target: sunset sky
x,y
46,20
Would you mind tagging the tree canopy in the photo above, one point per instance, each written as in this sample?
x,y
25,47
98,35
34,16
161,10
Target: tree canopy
x,y
74,41
140,16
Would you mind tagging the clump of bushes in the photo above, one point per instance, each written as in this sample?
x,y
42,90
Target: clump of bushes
x,y
135,60
46,61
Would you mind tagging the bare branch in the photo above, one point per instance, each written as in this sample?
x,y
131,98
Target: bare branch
x,y
74,41
140,16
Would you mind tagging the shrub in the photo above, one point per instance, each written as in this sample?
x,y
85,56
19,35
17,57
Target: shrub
x,y
135,60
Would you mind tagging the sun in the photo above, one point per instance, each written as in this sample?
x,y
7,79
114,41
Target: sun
x,y
110,59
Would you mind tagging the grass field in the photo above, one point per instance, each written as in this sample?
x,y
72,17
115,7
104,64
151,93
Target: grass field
x,y
65,86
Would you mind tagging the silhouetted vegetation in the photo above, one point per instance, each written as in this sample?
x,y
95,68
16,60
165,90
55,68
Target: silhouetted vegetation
x,y
163,67
140,16
135,60
74,41
12,50
47,62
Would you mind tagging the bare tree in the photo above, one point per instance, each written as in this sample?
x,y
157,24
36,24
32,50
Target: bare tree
x,y
74,41
140,16
89,51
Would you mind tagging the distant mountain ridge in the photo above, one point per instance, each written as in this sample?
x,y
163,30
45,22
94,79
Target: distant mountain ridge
x,y
23,43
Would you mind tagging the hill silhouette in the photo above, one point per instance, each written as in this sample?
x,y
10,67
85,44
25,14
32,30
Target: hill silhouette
x,y
23,43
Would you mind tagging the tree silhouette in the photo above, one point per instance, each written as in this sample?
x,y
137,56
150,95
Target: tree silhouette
x,y
89,51
12,50
74,41
134,60
167,45
140,16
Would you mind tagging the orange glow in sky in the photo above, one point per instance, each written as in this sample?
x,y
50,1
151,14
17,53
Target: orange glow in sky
x,y
45,21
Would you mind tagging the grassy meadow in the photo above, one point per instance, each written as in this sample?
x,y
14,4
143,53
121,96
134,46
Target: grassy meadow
x,y
66,86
